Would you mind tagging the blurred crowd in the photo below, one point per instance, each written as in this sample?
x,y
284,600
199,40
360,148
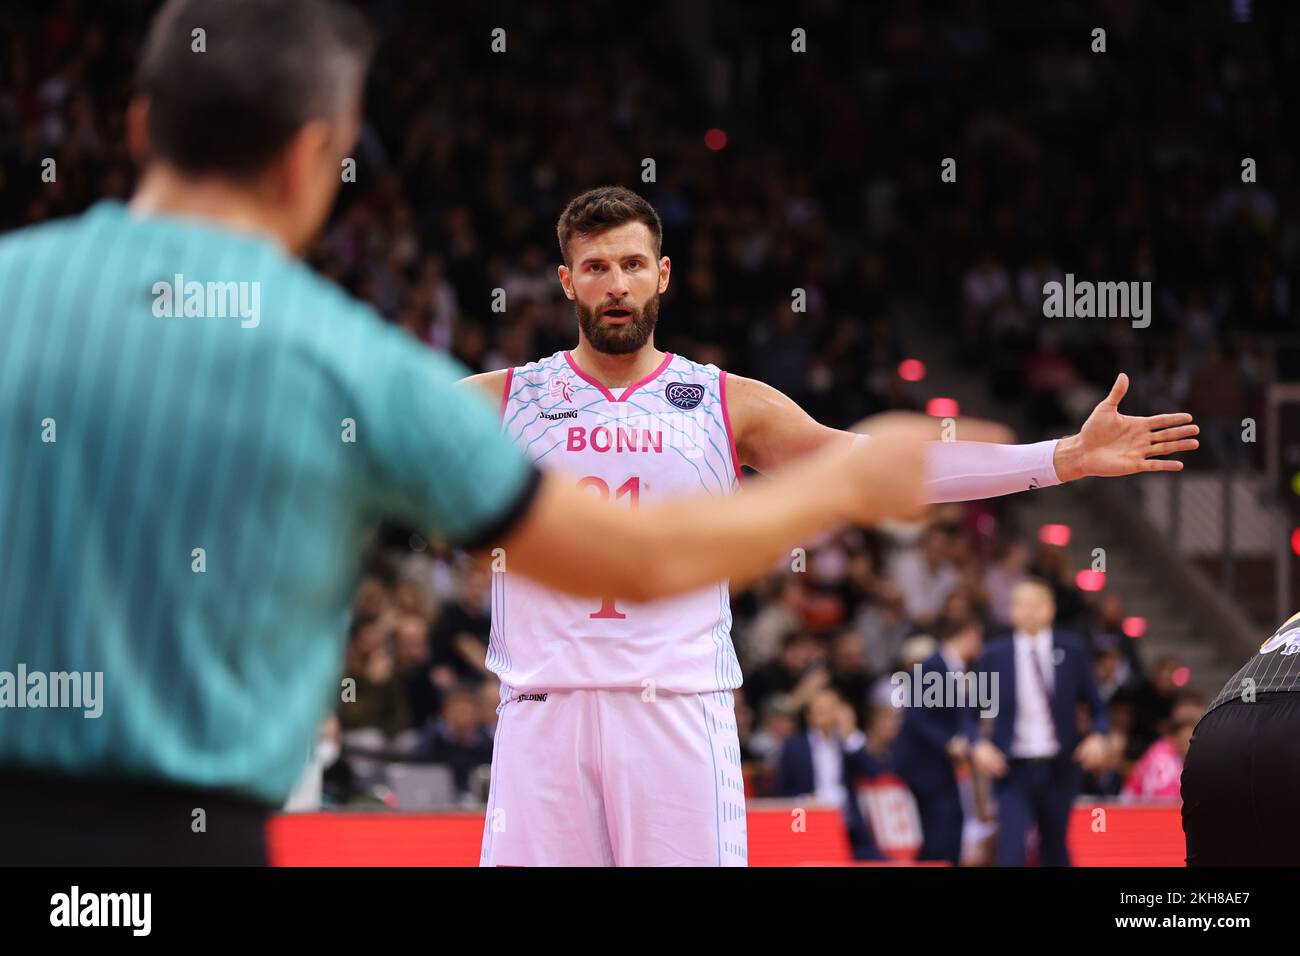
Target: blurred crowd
x,y
1122,165
821,642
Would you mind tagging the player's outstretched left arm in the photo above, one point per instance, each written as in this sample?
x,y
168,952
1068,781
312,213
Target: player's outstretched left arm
x,y
1110,444
771,429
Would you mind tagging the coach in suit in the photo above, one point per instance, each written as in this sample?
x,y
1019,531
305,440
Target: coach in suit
x,y
826,762
931,740
1036,751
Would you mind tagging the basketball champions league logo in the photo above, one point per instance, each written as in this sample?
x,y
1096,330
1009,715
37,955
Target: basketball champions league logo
x,y
684,396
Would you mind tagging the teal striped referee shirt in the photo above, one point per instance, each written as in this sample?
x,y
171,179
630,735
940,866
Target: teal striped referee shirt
x,y
196,435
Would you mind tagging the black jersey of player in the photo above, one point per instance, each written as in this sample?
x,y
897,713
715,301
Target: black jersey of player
x,y
1275,669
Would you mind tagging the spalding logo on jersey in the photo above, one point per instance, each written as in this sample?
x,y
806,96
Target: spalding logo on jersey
x,y
684,396
1287,638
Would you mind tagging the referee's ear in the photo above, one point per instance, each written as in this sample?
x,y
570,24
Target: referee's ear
x,y
138,142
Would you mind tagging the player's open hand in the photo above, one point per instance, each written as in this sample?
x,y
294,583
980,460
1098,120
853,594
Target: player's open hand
x,y
1111,444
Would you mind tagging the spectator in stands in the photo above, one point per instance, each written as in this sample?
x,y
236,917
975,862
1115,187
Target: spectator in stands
x,y
849,675
967,558
962,603
763,638
779,721
926,576
745,730
459,635
1050,565
831,579
799,671
884,721
1111,668
489,699
1159,772
1009,568
931,743
372,598
827,761
459,739
915,650
414,597
415,668
1110,779
376,697
883,625
1111,615
1153,702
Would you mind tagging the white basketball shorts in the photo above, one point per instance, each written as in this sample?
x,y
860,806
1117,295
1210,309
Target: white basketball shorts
x,y
611,778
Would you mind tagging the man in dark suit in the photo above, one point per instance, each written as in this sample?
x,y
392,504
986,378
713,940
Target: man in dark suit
x,y
826,762
1036,751
930,741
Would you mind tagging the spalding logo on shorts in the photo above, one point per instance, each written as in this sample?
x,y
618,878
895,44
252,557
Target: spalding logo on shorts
x,y
1287,638
684,396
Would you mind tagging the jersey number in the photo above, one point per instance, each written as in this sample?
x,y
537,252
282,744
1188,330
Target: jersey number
x,y
632,488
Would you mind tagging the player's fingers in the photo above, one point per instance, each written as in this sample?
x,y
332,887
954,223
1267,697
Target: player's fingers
x,y
1173,447
1168,420
1162,464
1118,390
1175,434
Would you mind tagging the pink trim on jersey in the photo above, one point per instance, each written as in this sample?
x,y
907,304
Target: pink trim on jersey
x,y
505,392
627,392
726,420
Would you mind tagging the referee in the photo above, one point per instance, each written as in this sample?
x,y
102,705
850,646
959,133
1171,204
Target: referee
x,y
197,433
1241,778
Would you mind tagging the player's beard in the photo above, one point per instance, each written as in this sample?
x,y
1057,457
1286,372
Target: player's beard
x,y
619,339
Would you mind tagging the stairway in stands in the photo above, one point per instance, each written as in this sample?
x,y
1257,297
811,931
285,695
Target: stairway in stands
x,y
1173,626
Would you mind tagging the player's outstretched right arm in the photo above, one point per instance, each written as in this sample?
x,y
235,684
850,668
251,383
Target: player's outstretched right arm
x,y
574,542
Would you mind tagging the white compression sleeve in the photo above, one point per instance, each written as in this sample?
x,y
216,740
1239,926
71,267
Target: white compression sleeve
x,y
971,470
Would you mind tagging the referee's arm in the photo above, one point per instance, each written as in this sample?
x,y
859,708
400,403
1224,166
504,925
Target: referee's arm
x,y
443,463
572,541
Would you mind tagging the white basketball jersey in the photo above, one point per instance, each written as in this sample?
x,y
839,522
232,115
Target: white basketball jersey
x,y
666,436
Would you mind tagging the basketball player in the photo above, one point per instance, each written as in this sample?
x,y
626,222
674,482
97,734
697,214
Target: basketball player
x,y
616,743
1241,776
